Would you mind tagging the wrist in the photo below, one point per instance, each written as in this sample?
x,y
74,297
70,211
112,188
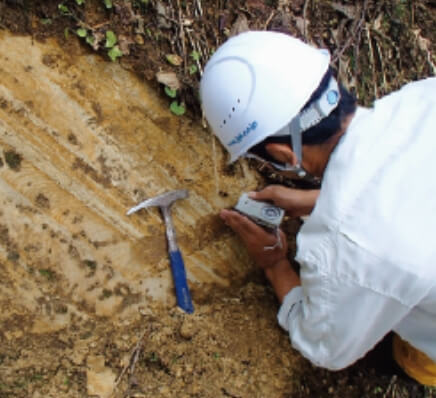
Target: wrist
x,y
309,201
282,278
277,269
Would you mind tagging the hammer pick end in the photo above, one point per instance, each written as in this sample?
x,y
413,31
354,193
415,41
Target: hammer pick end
x,y
134,209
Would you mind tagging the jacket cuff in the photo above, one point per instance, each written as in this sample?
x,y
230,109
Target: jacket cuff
x,y
293,297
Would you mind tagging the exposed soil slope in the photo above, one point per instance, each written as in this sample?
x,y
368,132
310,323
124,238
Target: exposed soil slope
x,y
86,293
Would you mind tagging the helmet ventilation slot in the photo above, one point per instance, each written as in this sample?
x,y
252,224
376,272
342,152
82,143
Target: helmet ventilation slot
x,y
230,115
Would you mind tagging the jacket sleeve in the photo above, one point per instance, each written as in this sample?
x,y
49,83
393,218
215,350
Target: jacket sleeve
x,y
341,311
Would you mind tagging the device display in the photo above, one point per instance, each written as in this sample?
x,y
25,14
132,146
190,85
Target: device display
x,y
262,213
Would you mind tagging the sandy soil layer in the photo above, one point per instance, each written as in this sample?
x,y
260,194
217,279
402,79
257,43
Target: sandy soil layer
x,y
81,141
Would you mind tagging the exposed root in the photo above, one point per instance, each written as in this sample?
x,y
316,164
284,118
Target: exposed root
x,y
130,366
371,57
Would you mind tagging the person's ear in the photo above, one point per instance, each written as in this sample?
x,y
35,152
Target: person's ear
x,y
282,153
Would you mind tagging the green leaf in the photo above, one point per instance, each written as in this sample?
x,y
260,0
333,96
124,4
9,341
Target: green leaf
x,y
47,273
195,55
90,40
153,357
192,69
80,2
174,59
46,21
111,39
114,53
66,33
63,9
177,109
108,3
81,32
170,92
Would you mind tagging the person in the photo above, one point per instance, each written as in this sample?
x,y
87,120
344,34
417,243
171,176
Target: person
x,y
367,251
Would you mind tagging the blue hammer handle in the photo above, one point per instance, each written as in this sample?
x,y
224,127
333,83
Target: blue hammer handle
x,y
180,283
177,265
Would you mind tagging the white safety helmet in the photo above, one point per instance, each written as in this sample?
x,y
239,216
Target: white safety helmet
x,y
256,83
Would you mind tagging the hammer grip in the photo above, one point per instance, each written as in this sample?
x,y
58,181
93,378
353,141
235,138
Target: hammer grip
x,y
181,285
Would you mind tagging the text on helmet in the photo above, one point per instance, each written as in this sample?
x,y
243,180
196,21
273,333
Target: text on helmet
x,y
239,137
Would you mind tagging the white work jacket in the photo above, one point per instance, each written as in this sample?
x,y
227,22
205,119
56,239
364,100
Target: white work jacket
x,y
368,250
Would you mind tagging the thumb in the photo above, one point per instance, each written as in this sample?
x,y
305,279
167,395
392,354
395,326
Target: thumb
x,y
264,194
255,195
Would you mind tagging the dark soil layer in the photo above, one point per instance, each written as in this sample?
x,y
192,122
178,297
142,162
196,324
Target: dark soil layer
x,y
376,46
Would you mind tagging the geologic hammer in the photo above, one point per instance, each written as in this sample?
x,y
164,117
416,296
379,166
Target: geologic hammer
x,y
164,202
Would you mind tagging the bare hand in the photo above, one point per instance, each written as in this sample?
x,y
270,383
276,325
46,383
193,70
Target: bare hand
x,y
296,202
256,239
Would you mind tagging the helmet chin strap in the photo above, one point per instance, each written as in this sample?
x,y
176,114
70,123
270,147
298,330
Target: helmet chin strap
x,y
306,119
286,170
297,147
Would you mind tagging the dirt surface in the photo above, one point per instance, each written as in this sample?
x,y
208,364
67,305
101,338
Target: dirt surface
x,y
376,46
82,140
87,306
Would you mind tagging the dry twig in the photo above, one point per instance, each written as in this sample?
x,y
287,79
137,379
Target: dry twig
x,y
382,65
393,380
196,48
353,35
199,8
182,34
269,19
130,366
306,6
372,58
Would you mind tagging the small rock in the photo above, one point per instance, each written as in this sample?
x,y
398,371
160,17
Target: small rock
x,y
188,329
240,26
63,338
79,352
13,335
167,331
168,79
162,13
145,311
124,291
178,372
164,391
101,379
139,40
109,306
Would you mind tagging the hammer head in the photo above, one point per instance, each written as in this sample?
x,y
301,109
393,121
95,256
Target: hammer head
x,y
164,200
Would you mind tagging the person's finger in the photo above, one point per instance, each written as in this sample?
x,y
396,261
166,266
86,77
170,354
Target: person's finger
x,y
246,228
231,218
250,231
237,221
259,195
227,215
224,214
